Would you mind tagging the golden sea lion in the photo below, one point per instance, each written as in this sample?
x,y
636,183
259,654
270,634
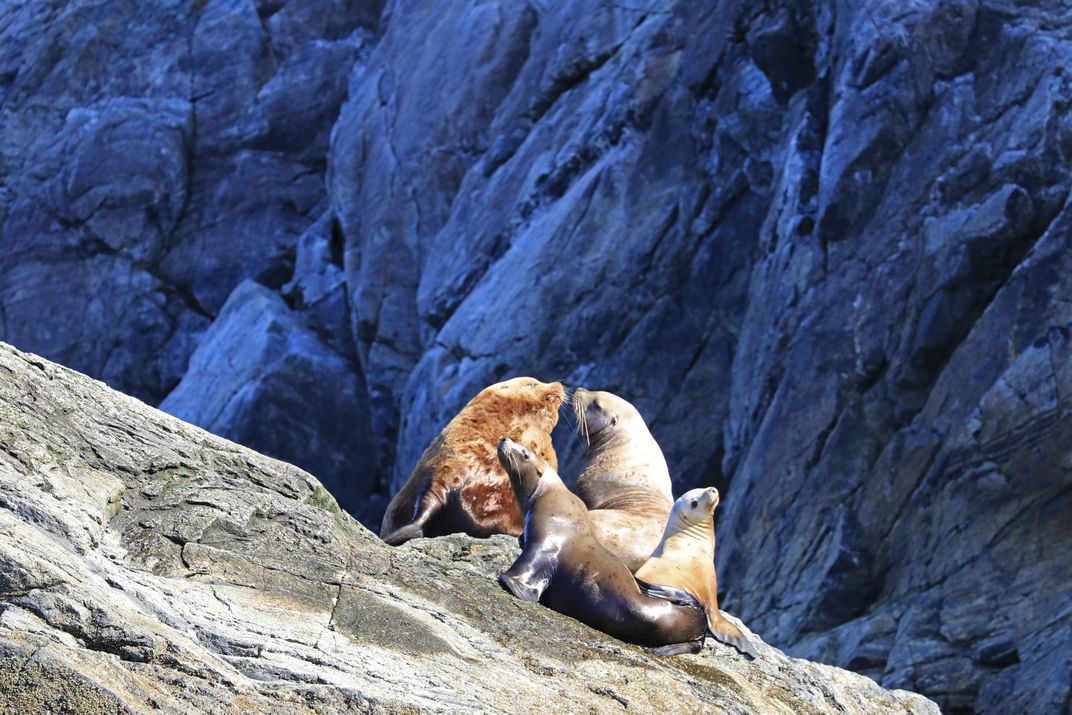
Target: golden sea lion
x,y
685,560
625,482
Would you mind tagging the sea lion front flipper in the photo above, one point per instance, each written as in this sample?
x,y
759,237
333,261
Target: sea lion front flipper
x,y
669,593
528,577
730,634
678,648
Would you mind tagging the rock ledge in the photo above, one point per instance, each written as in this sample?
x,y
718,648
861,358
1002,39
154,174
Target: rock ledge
x,y
147,564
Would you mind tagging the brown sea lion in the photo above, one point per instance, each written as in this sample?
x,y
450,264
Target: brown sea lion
x,y
564,567
685,560
458,484
625,482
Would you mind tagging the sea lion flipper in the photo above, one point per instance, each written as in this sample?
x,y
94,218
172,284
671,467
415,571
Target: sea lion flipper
x,y
528,577
678,648
669,593
401,535
429,504
730,634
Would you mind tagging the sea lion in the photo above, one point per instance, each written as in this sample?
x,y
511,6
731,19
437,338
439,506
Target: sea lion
x,y
625,482
458,483
685,560
564,566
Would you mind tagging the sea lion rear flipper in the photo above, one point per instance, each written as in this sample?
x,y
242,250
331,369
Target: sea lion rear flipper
x,y
427,507
678,648
730,634
402,534
528,577
669,593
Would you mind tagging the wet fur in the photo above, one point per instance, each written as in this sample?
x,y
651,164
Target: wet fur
x,y
564,567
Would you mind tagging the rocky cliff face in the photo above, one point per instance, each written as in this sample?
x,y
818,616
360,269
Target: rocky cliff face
x,y
823,247
147,564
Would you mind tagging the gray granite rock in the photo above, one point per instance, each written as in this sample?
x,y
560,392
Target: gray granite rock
x,y
152,159
150,565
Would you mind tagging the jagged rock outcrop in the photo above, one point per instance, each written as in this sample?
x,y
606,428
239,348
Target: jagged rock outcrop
x,y
822,247
154,158
262,378
148,564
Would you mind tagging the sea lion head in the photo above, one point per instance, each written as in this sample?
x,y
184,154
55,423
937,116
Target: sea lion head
x,y
601,413
523,397
524,466
695,506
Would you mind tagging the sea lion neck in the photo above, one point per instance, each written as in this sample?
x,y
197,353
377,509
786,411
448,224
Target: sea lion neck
x,y
527,490
546,481
627,447
697,531
525,483
681,533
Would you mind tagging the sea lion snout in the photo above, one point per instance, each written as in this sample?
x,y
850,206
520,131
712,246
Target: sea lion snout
x,y
508,448
522,467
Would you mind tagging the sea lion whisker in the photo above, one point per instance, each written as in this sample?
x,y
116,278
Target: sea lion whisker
x,y
584,423
582,420
575,428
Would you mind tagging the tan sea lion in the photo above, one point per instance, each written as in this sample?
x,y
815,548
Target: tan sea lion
x,y
625,482
564,566
685,560
458,484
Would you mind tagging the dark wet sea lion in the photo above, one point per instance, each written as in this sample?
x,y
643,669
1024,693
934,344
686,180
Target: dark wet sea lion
x,y
625,482
685,560
458,484
564,567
